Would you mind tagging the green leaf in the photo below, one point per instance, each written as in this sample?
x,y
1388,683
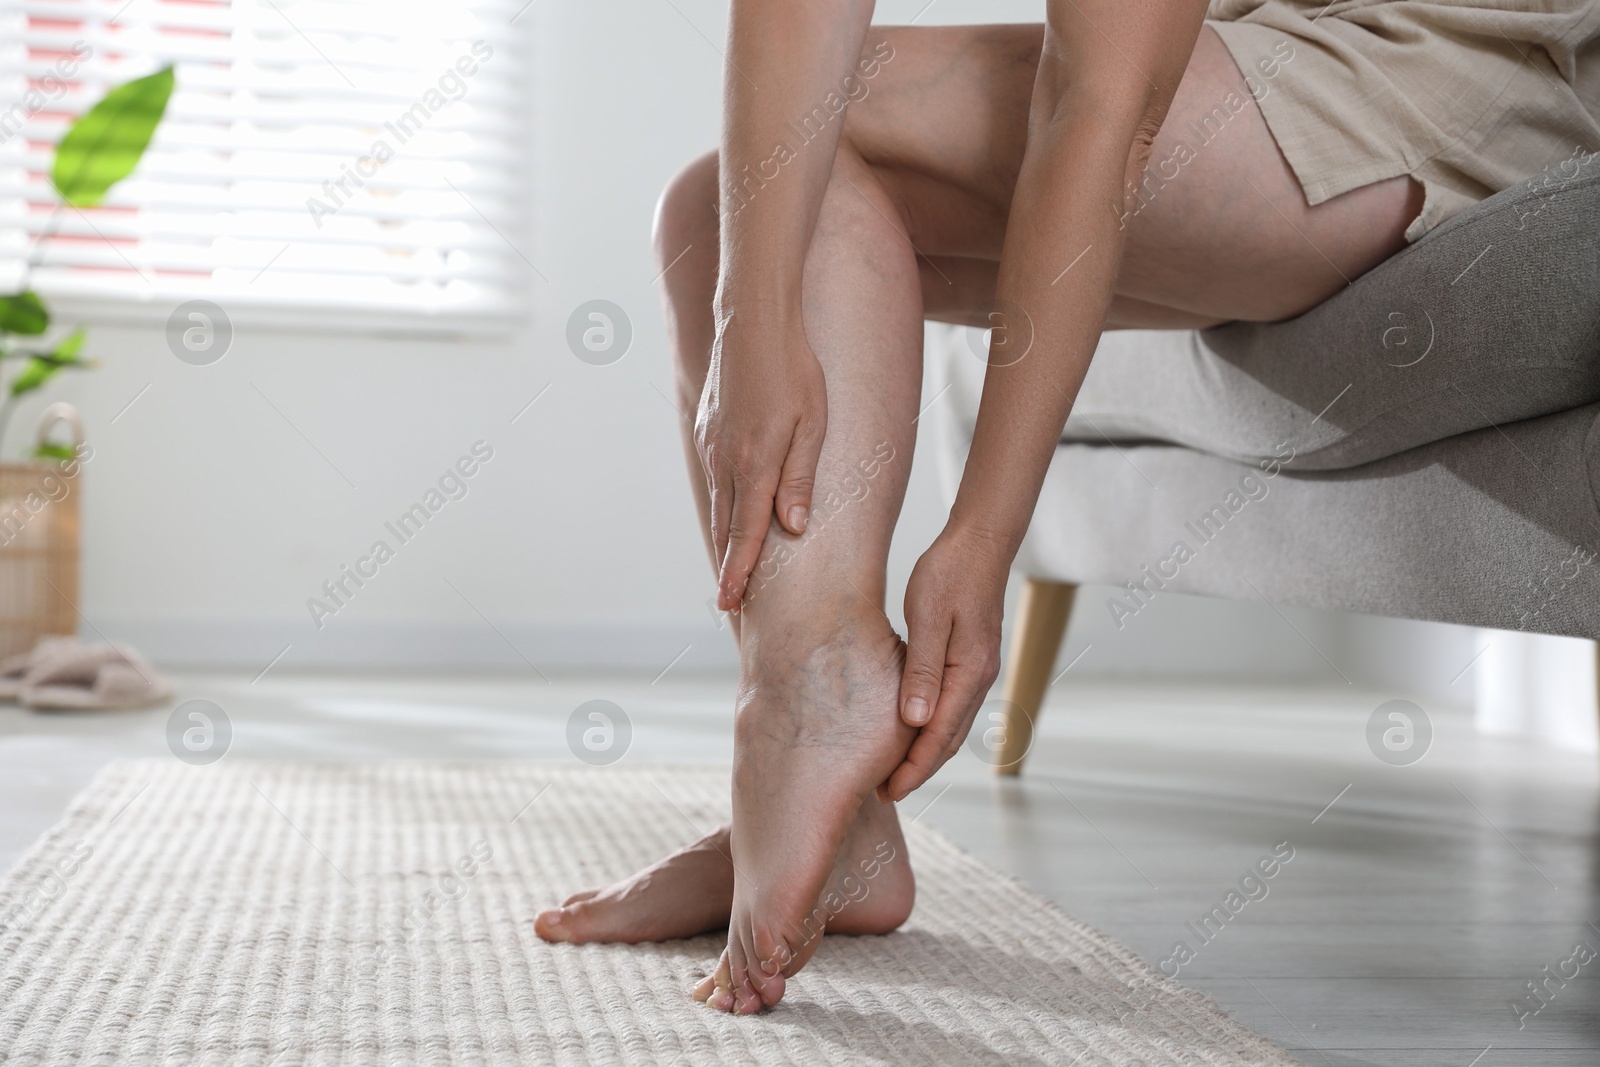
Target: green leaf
x,y
50,451
106,143
42,366
24,313
34,374
67,349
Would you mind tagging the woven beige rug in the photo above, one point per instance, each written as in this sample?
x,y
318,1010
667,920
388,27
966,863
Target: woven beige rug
x,y
283,913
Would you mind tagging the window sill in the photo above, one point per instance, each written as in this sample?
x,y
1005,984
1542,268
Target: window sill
x,y
278,316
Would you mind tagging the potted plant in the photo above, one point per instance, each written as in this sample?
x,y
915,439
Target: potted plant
x,y
101,148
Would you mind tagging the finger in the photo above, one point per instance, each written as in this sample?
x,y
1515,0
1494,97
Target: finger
x,y
924,758
749,520
927,644
721,484
945,732
799,478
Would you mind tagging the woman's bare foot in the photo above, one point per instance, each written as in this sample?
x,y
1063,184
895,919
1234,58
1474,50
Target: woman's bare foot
x,y
687,893
691,891
817,731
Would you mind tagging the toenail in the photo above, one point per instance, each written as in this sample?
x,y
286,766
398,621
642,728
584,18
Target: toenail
x,y
555,928
916,711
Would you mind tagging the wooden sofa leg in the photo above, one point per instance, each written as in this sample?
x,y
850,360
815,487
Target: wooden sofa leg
x,y
1041,623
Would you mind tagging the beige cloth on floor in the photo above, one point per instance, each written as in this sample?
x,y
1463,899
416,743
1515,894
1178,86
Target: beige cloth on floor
x,y
1467,96
343,915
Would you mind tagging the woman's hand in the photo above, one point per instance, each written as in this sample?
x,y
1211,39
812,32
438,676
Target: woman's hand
x,y
1093,117
954,604
764,409
759,432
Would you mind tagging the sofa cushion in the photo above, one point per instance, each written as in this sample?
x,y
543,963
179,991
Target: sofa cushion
x,y
1491,318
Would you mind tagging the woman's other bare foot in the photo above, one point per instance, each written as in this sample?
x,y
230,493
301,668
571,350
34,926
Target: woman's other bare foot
x,y
817,732
691,891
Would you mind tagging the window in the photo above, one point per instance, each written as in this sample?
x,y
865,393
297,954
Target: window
x,y
346,160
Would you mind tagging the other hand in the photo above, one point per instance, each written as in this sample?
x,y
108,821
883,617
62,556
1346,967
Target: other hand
x,y
954,603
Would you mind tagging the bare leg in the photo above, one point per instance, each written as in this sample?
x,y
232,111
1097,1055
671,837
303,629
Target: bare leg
x,y
930,160
691,891
816,729
1226,234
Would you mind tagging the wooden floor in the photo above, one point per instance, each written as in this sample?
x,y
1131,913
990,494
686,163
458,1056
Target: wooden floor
x,y
1419,902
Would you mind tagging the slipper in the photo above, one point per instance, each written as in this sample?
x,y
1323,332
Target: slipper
x,y
14,668
94,678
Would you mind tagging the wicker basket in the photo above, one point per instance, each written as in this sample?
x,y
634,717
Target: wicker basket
x,y
39,542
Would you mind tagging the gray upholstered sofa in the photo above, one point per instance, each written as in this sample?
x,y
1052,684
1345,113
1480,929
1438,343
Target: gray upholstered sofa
x,y
1425,444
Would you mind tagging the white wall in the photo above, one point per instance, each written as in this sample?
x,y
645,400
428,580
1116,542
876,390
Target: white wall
x,y
1538,686
210,519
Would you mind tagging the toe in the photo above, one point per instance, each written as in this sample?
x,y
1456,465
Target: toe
x,y
770,990
587,920
580,897
766,977
747,1001
757,967
735,955
711,989
551,925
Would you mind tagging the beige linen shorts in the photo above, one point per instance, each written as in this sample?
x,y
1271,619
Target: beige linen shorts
x,y
1466,96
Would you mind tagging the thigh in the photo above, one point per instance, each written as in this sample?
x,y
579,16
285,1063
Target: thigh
x,y
960,290
1217,228
1218,223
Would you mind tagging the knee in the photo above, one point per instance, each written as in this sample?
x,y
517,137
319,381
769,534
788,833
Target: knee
x,y
865,95
861,202
687,209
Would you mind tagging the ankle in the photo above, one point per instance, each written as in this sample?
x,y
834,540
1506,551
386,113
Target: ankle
x,y
821,642
796,583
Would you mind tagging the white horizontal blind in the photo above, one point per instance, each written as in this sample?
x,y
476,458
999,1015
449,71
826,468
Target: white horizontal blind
x,y
343,155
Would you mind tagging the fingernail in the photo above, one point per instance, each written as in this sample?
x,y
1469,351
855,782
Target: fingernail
x,y
916,711
797,518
